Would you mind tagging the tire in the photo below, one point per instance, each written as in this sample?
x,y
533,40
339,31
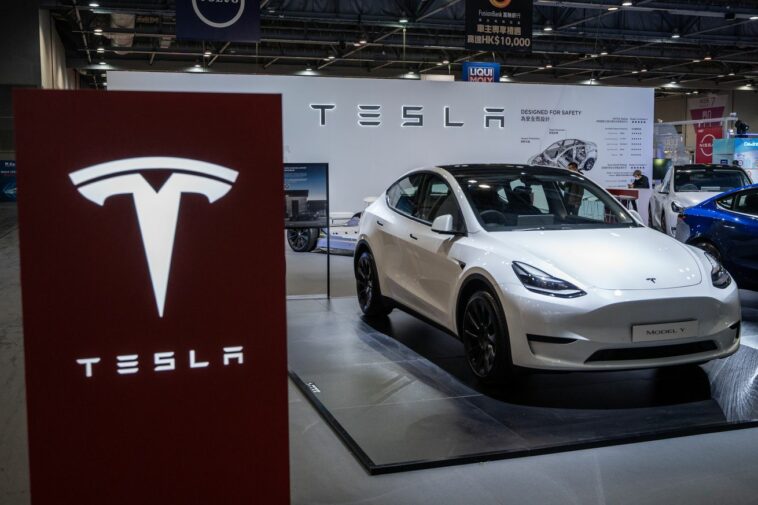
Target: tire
x,y
370,297
302,239
710,249
589,164
485,338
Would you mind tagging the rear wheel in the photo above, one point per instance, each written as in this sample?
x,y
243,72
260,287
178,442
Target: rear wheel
x,y
485,338
370,297
302,239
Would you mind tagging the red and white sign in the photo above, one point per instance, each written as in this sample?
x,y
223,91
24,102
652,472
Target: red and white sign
x,y
152,270
705,138
707,107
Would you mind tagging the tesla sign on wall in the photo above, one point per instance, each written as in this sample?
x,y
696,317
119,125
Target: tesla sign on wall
x,y
154,339
371,131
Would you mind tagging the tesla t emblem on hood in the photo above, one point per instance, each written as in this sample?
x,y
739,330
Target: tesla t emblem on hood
x,y
157,210
651,279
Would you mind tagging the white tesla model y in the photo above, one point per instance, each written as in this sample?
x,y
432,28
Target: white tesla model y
x,y
541,268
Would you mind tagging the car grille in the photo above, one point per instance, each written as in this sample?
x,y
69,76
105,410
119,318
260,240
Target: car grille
x,y
640,353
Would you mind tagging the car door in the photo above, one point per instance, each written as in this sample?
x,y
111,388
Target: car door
x,y
394,226
737,235
433,255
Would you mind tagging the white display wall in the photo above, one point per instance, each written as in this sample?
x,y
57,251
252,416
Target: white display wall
x,y
371,131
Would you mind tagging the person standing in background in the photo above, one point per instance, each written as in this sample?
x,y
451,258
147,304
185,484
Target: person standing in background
x,y
640,182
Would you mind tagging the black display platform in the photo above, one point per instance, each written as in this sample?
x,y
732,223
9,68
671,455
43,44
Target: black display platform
x,y
399,393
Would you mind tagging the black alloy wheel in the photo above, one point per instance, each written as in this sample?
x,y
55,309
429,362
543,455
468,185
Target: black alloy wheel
x,y
302,239
370,297
485,338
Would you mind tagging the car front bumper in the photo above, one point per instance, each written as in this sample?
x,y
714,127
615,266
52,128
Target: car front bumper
x,y
594,332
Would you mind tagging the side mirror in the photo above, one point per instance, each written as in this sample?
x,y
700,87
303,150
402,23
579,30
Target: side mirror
x,y
444,225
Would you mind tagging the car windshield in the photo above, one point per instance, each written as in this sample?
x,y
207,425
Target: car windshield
x,y
691,180
523,201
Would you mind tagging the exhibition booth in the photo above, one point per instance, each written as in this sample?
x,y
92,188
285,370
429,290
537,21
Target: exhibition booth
x,y
229,176
345,142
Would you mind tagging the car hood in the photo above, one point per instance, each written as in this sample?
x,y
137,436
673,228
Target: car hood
x,y
618,258
693,198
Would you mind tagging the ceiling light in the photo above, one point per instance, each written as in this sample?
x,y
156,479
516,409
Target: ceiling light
x,y
197,65
603,53
101,50
94,4
720,76
548,66
643,70
103,63
635,71
363,41
446,62
541,68
593,56
695,61
330,57
613,9
753,18
98,31
627,3
403,20
207,54
707,57
548,26
731,74
356,44
696,92
676,34
439,63
105,84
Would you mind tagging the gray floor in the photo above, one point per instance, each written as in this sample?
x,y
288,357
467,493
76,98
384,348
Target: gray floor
x,y
705,469
306,274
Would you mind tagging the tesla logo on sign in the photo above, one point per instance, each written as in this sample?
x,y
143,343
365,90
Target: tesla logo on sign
x,y
157,210
235,7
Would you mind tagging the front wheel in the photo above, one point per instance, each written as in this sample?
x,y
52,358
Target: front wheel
x,y
589,165
370,297
485,338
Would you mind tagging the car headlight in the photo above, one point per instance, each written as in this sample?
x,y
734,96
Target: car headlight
x,y
677,208
719,276
540,282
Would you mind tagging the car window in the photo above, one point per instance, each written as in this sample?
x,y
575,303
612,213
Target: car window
x,y
747,203
439,200
726,203
690,180
404,195
534,194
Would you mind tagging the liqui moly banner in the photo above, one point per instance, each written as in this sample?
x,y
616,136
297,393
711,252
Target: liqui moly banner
x,y
153,299
474,71
705,139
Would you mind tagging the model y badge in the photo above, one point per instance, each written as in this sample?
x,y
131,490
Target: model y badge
x,y
157,211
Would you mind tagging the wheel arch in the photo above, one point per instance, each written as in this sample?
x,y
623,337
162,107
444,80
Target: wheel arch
x,y
470,285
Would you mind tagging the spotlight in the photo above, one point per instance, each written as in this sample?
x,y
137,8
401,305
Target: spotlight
x,y
613,8
676,34
403,20
98,31
548,26
627,3
101,49
207,54
446,62
94,5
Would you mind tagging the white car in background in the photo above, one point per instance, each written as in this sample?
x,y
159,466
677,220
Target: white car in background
x,y
685,186
541,268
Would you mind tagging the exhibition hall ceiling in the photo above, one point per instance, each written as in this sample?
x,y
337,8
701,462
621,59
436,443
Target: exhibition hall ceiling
x,y
676,45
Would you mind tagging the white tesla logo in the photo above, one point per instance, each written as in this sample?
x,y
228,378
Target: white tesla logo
x,y
157,211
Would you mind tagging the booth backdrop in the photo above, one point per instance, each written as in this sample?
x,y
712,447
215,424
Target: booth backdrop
x,y
371,131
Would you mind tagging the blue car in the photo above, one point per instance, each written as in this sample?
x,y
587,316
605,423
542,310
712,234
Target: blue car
x,y
726,226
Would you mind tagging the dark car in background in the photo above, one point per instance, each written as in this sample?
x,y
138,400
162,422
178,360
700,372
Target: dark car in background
x,y
726,226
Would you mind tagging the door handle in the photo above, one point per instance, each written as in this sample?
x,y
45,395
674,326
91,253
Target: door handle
x,y
414,237
380,222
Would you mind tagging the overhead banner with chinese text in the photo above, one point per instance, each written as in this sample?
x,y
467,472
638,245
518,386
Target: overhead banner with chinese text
x,y
499,25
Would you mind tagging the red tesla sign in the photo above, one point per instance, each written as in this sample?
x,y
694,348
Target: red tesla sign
x,y
153,297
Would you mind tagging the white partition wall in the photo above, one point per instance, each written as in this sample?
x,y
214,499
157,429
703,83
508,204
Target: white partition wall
x,y
371,131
